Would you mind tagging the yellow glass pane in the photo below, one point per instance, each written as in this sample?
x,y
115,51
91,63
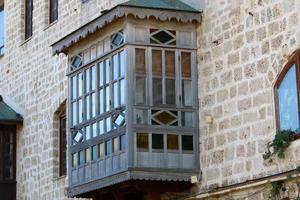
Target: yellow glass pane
x,y
88,154
142,141
116,144
156,63
172,142
101,150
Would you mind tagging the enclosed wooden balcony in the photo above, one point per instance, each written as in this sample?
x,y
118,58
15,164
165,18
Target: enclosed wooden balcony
x,y
133,108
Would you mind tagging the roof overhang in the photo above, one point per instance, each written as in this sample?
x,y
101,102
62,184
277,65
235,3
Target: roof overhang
x,y
124,10
8,115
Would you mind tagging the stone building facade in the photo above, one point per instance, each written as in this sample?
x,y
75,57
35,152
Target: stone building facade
x,y
242,46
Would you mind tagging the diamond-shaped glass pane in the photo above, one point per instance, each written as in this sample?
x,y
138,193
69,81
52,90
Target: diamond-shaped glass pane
x,y
165,118
77,61
78,137
120,120
117,39
162,37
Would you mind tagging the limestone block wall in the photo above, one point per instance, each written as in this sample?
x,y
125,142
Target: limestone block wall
x,y
242,47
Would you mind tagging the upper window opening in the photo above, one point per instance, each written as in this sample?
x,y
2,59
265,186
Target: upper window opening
x,y
28,18
163,37
53,11
287,93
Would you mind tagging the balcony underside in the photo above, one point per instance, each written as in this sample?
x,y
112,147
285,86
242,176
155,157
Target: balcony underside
x,y
139,180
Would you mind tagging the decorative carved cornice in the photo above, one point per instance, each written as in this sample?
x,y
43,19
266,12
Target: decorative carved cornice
x,y
123,11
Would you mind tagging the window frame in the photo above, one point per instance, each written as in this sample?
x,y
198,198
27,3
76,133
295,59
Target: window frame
x,y
294,60
28,16
62,169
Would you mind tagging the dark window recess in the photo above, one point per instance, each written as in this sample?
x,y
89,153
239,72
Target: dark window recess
x,y
157,141
63,146
187,143
53,11
7,162
28,18
117,39
163,37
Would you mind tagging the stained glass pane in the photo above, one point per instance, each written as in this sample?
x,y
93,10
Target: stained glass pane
x,y
116,94
108,124
141,116
120,120
74,87
170,91
101,78
107,71
140,93
157,141
94,105
107,101
187,119
170,63
187,143
122,142
186,64
108,147
80,84
172,142
76,61
142,141
74,113
123,91
288,101
101,150
140,61
187,93
80,111
115,67
156,62
101,102
157,91
94,152
165,118
163,37
75,159
88,154
87,132
115,144
117,39
93,79
95,132
87,81
122,64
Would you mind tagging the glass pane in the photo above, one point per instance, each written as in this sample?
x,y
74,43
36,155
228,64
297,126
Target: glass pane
x,y
116,95
140,62
122,142
87,81
172,142
115,144
108,147
107,71
78,137
117,39
94,152
81,157
157,141
107,101
141,116
74,113
120,120
101,150
76,61
187,119
88,154
108,124
142,141
163,37
156,63
101,74
165,117
87,133
157,91
80,83
187,143
87,107
288,101
80,111
170,91
93,78
101,102
187,93
186,64
115,67
95,132
74,87
170,63
75,159
101,127
140,93
94,105
122,64
123,91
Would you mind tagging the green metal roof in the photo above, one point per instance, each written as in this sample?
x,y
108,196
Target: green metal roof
x,y
7,114
161,4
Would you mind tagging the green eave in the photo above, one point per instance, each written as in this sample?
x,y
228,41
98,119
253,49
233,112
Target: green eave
x,y
8,115
161,4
